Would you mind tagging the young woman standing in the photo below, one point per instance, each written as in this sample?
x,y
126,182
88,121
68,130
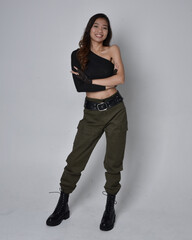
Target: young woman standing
x,y
97,69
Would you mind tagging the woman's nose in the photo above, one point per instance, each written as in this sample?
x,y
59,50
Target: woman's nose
x,y
100,29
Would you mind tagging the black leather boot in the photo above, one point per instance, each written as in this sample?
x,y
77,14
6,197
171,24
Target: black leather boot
x,y
61,211
108,219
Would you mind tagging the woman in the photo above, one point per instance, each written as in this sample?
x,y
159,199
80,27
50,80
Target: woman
x,y
97,69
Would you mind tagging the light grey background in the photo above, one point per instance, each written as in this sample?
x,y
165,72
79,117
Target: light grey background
x,y
40,110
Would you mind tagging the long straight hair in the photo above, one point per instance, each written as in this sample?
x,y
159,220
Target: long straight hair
x,y
85,42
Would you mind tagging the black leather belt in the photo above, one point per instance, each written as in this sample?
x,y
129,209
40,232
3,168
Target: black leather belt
x,y
103,106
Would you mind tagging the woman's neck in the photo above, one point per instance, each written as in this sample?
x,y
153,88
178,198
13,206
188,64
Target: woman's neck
x,y
96,47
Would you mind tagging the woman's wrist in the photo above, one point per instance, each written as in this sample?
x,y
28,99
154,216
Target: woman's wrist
x,y
109,87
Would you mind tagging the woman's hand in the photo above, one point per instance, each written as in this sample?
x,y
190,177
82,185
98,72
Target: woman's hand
x,y
114,73
115,69
81,75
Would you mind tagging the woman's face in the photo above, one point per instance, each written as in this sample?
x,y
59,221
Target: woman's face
x,y
99,30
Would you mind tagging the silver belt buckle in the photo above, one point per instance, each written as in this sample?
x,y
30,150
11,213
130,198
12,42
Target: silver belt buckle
x,y
100,104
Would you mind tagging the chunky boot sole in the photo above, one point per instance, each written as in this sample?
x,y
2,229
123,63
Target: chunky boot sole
x,y
109,227
56,223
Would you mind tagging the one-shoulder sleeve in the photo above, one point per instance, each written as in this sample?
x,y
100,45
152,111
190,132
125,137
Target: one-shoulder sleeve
x,y
79,84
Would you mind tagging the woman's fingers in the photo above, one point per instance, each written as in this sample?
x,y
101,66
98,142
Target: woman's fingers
x,y
116,66
76,73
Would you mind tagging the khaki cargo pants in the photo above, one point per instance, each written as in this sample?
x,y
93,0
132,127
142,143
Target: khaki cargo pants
x,y
113,122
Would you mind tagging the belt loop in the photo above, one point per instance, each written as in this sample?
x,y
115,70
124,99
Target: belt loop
x,y
85,103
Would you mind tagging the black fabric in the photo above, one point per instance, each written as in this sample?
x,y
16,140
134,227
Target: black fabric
x,y
97,68
82,76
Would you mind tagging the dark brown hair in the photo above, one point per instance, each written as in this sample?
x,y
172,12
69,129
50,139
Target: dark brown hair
x,y
85,42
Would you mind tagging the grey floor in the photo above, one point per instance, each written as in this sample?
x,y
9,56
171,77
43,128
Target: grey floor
x,y
23,217
28,222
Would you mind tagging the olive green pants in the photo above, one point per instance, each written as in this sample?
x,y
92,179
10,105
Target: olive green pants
x,y
90,129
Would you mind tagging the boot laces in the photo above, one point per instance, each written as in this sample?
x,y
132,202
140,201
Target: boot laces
x,y
56,191
105,193
62,201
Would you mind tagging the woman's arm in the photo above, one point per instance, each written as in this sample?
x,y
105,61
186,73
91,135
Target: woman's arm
x,y
80,85
117,79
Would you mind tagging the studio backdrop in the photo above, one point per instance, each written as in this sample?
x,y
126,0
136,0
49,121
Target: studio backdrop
x,y
40,107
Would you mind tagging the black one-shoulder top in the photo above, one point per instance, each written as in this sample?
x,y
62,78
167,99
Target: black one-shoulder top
x,y
97,68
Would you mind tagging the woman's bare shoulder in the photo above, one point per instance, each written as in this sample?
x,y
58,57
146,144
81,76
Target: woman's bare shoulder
x,y
111,48
114,49
112,52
